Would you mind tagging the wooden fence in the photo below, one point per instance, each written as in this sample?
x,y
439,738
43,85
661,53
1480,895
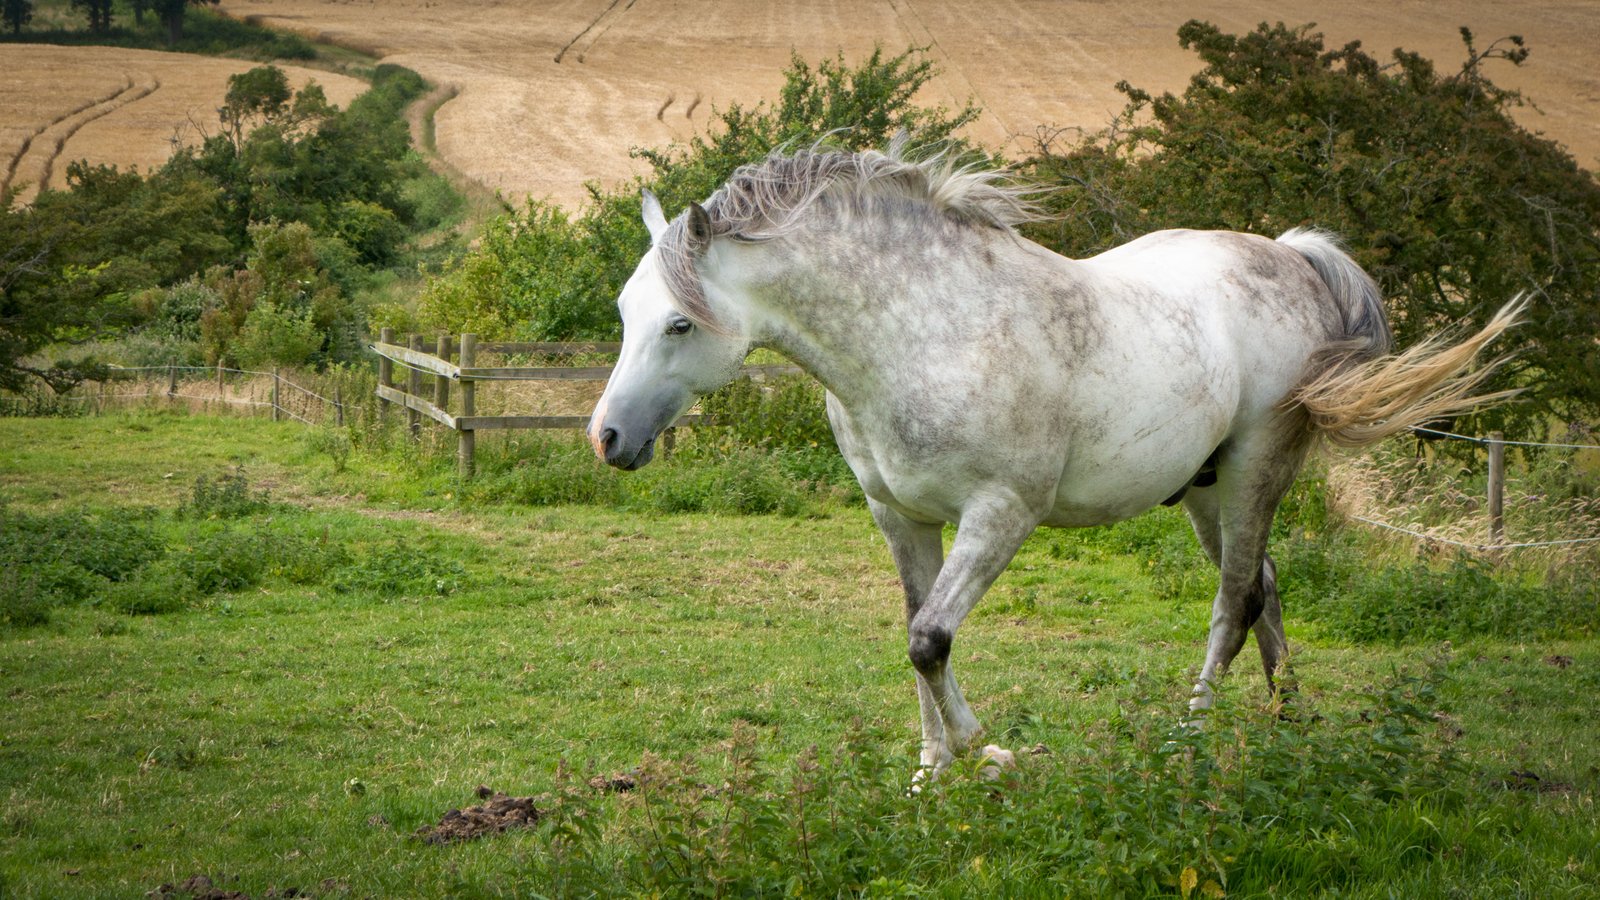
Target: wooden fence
x,y
447,360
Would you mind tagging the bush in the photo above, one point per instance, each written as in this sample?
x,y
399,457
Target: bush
x,y
1449,203
274,336
51,560
1463,598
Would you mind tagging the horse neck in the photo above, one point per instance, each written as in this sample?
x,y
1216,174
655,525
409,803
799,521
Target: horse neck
x,y
836,296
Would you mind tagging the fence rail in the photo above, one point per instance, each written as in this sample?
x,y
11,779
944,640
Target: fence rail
x,y
420,356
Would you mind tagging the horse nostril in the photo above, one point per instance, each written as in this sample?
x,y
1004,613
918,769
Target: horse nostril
x,y
607,439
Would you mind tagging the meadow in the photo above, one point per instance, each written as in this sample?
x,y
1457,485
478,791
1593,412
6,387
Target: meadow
x,y
270,665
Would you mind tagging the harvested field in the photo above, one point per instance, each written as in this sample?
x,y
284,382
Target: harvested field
x,y
550,100
113,106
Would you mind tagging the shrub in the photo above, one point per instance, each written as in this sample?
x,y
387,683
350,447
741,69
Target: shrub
x,y
1450,204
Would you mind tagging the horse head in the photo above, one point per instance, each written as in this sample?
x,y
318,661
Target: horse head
x,y
672,353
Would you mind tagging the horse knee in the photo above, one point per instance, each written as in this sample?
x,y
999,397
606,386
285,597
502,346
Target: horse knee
x,y
930,649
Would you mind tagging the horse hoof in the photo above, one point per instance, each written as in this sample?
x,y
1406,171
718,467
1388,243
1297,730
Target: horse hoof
x,y
994,760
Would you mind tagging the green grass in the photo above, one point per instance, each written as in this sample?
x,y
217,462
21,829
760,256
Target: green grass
x,y
295,732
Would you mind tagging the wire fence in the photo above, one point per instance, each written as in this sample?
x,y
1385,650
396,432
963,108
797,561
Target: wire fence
x,y
1495,500
279,394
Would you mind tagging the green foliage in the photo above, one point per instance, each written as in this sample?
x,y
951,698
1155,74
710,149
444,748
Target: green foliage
x,y
164,587
227,497
1463,597
539,275
786,412
16,13
311,198
739,483
97,12
532,277
52,560
1451,205
401,569
1146,809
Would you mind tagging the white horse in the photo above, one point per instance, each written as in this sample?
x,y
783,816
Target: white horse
x,y
976,378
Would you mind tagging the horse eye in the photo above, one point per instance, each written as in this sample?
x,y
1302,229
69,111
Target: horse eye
x,y
679,326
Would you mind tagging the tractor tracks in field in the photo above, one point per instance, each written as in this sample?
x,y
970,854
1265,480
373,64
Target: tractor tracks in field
x,y
917,29
38,153
597,27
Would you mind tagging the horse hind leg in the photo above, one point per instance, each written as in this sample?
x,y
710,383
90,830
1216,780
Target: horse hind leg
x,y
1233,520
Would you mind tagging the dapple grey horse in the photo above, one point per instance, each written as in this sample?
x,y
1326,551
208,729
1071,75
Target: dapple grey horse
x,y
974,377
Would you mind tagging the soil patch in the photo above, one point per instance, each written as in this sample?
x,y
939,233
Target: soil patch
x,y
499,813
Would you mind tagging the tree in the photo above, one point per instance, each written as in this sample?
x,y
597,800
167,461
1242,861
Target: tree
x,y
16,13
99,13
1451,205
171,13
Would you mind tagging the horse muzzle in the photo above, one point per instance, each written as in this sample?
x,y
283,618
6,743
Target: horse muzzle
x,y
611,446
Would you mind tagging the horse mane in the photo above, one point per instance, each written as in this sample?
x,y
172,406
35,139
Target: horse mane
x,y
766,200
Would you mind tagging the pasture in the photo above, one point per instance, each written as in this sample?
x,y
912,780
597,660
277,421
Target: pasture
x,y
549,101
403,639
115,106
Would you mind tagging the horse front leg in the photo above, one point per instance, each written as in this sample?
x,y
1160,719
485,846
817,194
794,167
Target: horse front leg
x,y
986,539
918,551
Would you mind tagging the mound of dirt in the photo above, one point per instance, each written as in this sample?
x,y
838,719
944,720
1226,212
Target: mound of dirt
x,y
498,814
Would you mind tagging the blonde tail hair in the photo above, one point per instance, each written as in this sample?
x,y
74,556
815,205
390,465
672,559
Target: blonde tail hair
x,y
1355,392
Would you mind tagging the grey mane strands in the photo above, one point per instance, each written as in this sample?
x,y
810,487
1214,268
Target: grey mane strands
x,y
766,200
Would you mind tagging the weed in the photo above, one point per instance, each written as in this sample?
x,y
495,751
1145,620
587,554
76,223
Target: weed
x,y
163,587
1151,808
400,569
226,560
333,441
228,497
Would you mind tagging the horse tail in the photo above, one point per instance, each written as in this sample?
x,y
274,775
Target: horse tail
x,y
1355,390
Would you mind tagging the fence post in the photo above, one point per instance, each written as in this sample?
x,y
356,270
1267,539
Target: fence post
x,y
441,384
414,388
385,373
338,405
222,392
466,442
276,416
172,380
1497,487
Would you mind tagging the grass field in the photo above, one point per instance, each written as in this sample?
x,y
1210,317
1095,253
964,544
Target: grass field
x,y
396,646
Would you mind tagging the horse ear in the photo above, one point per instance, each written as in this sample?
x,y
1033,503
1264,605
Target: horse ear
x,y
654,219
697,229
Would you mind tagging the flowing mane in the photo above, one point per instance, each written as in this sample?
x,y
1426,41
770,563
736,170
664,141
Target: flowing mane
x,y
767,200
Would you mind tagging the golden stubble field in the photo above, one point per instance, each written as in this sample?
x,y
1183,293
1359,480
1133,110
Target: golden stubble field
x,y
113,105
553,94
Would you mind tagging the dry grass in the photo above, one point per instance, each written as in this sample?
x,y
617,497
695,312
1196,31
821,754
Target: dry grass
x,y
1446,501
645,74
114,106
